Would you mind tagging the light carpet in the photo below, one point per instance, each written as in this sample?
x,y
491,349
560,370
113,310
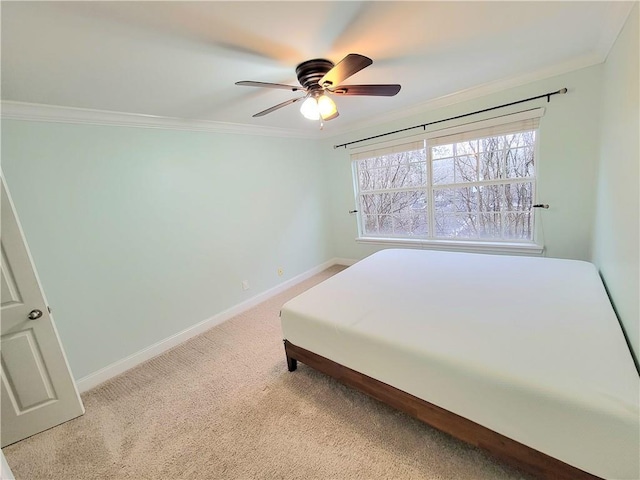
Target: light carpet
x,y
224,406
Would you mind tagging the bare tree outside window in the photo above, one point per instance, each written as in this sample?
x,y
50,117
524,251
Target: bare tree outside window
x,y
393,194
480,189
496,204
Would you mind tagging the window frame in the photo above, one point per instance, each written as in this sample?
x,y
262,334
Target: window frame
x,y
482,129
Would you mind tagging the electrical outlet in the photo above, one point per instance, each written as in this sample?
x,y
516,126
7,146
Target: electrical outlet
x,y
280,271
245,284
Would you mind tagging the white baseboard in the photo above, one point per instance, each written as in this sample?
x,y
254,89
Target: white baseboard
x,y
116,368
344,261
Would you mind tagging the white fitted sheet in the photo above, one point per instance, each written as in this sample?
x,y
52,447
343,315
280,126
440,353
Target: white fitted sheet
x,y
528,347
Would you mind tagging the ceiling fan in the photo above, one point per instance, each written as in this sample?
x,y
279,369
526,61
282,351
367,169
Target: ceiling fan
x,y
318,77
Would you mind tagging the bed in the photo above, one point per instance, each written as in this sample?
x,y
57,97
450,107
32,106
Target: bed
x,y
521,356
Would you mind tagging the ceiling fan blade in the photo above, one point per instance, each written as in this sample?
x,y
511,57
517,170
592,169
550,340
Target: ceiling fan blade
x,y
249,83
346,67
387,90
276,107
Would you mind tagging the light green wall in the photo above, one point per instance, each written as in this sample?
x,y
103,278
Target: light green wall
x,y
617,242
138,234
567,165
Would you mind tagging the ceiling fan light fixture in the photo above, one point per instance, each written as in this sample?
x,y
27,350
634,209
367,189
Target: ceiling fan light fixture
x,y
327,108
309,109
319,107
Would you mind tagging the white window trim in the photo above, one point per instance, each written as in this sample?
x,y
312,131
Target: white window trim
x,y
515,248
534,247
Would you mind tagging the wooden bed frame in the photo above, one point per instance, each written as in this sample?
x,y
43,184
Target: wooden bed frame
x,y
499,446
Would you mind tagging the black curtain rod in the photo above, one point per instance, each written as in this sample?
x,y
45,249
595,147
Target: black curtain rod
x,y
548,96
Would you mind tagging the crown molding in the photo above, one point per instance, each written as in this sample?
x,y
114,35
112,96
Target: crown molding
x,y
58,114
483,90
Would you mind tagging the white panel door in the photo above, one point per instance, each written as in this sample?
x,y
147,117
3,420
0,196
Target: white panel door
x,y
38,391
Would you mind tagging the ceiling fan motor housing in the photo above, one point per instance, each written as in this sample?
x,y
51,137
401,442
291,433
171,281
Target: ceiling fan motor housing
x,y
310,72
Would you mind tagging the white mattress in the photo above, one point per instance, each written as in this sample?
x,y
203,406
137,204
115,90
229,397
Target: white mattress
x,y
528,347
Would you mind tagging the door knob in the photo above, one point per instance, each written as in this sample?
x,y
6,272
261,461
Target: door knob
x,y
35,314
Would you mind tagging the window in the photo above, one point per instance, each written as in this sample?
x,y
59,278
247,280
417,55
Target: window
x,y
471,185
393,197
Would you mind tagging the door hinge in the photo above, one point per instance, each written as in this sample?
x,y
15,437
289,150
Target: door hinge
x,y
48,308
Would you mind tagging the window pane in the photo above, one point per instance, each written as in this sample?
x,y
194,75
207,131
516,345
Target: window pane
x,y
450,225
456,199
399,177
380,178
492,165
518,196
518,226
368,203
417,174
370,224
419,204
414,156
385,225
446,224
411,224
523,139
460,168
383,203
404,202
419,224
466,169
519,162
410,213
491,198
375,203
398,170
466,148
490,225
442,151
444,201
394,214
401,225
443,171
480,212
365,182
373,179
396,176
370,163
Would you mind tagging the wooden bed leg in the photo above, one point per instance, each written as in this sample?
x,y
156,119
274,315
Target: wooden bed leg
x,y
292,363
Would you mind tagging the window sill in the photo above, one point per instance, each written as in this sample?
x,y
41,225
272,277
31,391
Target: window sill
x,y
510,248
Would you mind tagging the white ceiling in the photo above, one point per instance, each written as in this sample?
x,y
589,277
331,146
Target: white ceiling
x,y
181,59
